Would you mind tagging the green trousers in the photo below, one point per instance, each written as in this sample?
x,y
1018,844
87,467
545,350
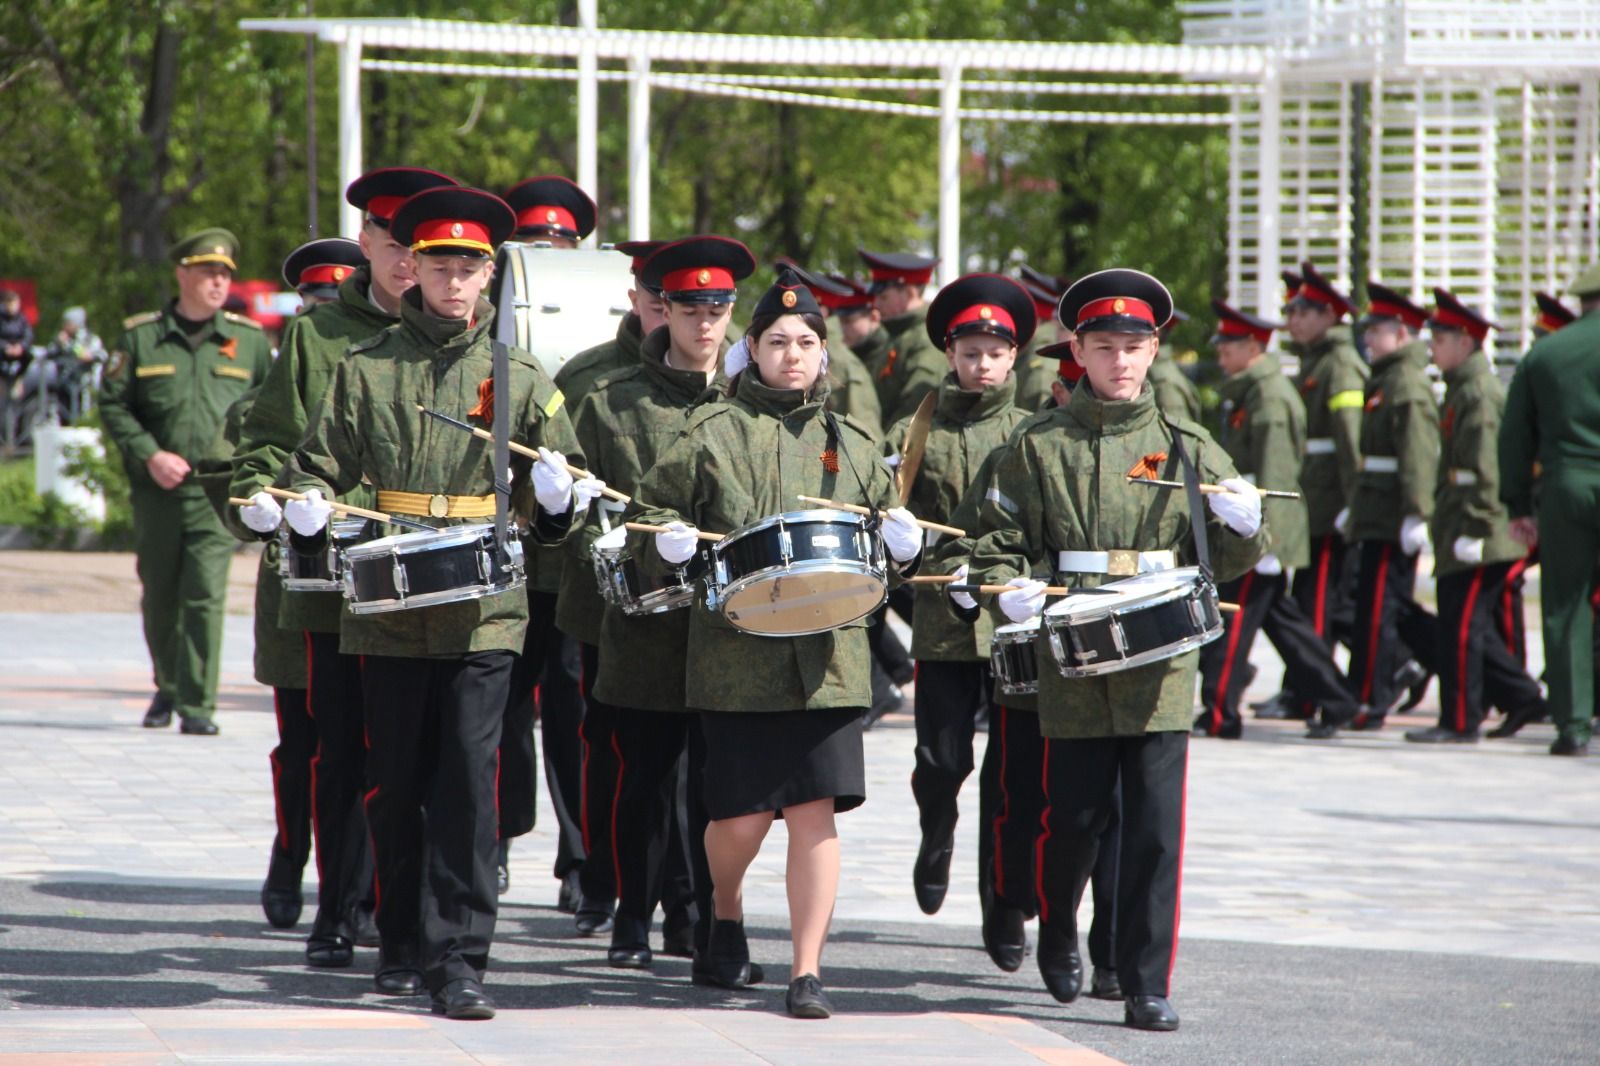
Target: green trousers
x,y
1569,545
183,552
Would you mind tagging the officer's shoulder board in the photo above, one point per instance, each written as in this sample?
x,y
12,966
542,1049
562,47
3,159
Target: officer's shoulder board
x,y
143,318
240,320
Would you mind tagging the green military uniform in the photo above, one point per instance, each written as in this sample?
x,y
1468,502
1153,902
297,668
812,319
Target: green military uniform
x,y
912,366
1332,382
1176,396
873,352
1264,434
167,388
1034,377
851,392
1552,423
578,374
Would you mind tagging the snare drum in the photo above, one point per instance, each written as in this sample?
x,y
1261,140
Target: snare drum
x,y
1013,658
321,571
1132,622
624,585
798,573
425,569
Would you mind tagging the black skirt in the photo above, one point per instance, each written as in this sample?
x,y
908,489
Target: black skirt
x,y
768,760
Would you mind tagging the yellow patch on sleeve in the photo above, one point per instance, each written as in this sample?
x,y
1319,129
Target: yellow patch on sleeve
x,y
555,403
231,372
1344,401
164,370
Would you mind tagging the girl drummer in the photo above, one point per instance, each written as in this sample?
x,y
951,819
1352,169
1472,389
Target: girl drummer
x,y
780,716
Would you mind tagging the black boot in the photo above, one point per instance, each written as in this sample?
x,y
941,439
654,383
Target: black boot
x,y
1059,962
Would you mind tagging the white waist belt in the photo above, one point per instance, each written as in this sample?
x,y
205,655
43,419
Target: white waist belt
x,y
1116,563
1459,476
1319,446
1380,464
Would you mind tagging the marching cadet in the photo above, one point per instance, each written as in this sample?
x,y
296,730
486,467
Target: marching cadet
x,y
1388,516
168,383
1264,432
1475,549
1060,501
315,269
367,302
1553,314
434,678
634,665
780,716
861,327
555,211
1552,423
911,365
647,312
980,321
1035,373
1332,382
851,392
1176,395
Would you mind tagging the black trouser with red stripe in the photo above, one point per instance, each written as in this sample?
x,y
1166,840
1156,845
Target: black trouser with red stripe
x,y
1476,668
339,777
433,738
1509,620
292,775
1010,800
948,697
1390,626
1308,666
600,784
1080,780
1325,592
651,745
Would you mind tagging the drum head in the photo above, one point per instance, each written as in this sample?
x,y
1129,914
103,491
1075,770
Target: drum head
x,y
1121,595
612,539
802,600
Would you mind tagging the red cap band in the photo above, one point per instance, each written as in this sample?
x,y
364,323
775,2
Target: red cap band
x,y
447,232
1550,323
1069,369
547,215
1316,295
991,314
1116,305
1409,315
906,277
326,274
692,279
1446,317
1233,327
384,207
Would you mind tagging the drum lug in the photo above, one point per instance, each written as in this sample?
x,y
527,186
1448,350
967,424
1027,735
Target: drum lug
x,y
485,568
1119,637
785,545
402,585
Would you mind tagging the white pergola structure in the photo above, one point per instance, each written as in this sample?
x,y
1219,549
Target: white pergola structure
x,y
1482,152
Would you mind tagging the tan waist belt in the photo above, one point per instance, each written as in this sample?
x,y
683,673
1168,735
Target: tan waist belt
x,y
435,505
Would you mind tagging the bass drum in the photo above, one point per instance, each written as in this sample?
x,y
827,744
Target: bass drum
x,y
557,302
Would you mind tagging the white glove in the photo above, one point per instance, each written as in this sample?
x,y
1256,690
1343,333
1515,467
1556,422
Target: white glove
x,y
1341,521
585,490
678,546
1468,549
552,484
1413,534
901,534
1025,599
307,517
262,513
962,600
1269,566
1239,507
892,461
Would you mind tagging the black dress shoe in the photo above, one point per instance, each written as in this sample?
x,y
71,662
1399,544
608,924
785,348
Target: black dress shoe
x,y
159,714
1413,677
592,919
571,895
806,999
1059,962
1368,720
502,869
1279,698
1104,984
1321,731
1516,719
365,924
930,877
464,1000
282,906
1565,745
330,952
1226,731
398,973
1440,735
677,936
727,958
198,727
1149,1012
630,942
1005,936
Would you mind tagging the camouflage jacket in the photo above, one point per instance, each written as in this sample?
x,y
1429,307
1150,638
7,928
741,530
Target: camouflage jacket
x,y
1176,397
313,344
911,368
1467,499
1332,383
162,394
851,392
735,464
1034,376
368,427
1063,486
967,428
1552,415
1264,432
1399,447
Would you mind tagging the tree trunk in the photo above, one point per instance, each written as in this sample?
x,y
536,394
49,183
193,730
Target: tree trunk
x,y
142,175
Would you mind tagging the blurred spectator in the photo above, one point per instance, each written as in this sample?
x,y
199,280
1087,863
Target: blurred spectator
x,y
16,336
70,372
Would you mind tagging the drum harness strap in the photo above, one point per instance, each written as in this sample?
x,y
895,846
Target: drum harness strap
x,y
1197,511
873,521
501,427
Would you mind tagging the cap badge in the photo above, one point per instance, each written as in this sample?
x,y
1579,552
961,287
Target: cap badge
x,y
789,298
703,278
986,312
219,250
339,273
456,229
550,215
1120,306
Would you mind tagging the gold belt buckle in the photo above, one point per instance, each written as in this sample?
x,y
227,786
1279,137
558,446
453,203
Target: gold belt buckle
x,y
438,505
1122,562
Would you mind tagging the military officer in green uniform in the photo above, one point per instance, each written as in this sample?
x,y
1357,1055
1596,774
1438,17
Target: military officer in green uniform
x,y
647,313
1176,395
1474,550
168,383
434,678
1060,501
1552,425
911,366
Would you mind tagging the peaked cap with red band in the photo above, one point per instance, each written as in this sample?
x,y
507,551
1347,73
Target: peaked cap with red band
x,y
317,267
1384,302
897,268
453,221
1291,285
859,299
1115,301
1232,324
1451,313
789,295
639,251
982,303
1553,314
825,291
1068,369
1051,283
1044,300
379,193
698,270
551,206
1317,291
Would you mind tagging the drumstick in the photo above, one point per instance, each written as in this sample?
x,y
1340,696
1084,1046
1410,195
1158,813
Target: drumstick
x,y
521,449
856,509
1209,489
645,527
346,508
1048,590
